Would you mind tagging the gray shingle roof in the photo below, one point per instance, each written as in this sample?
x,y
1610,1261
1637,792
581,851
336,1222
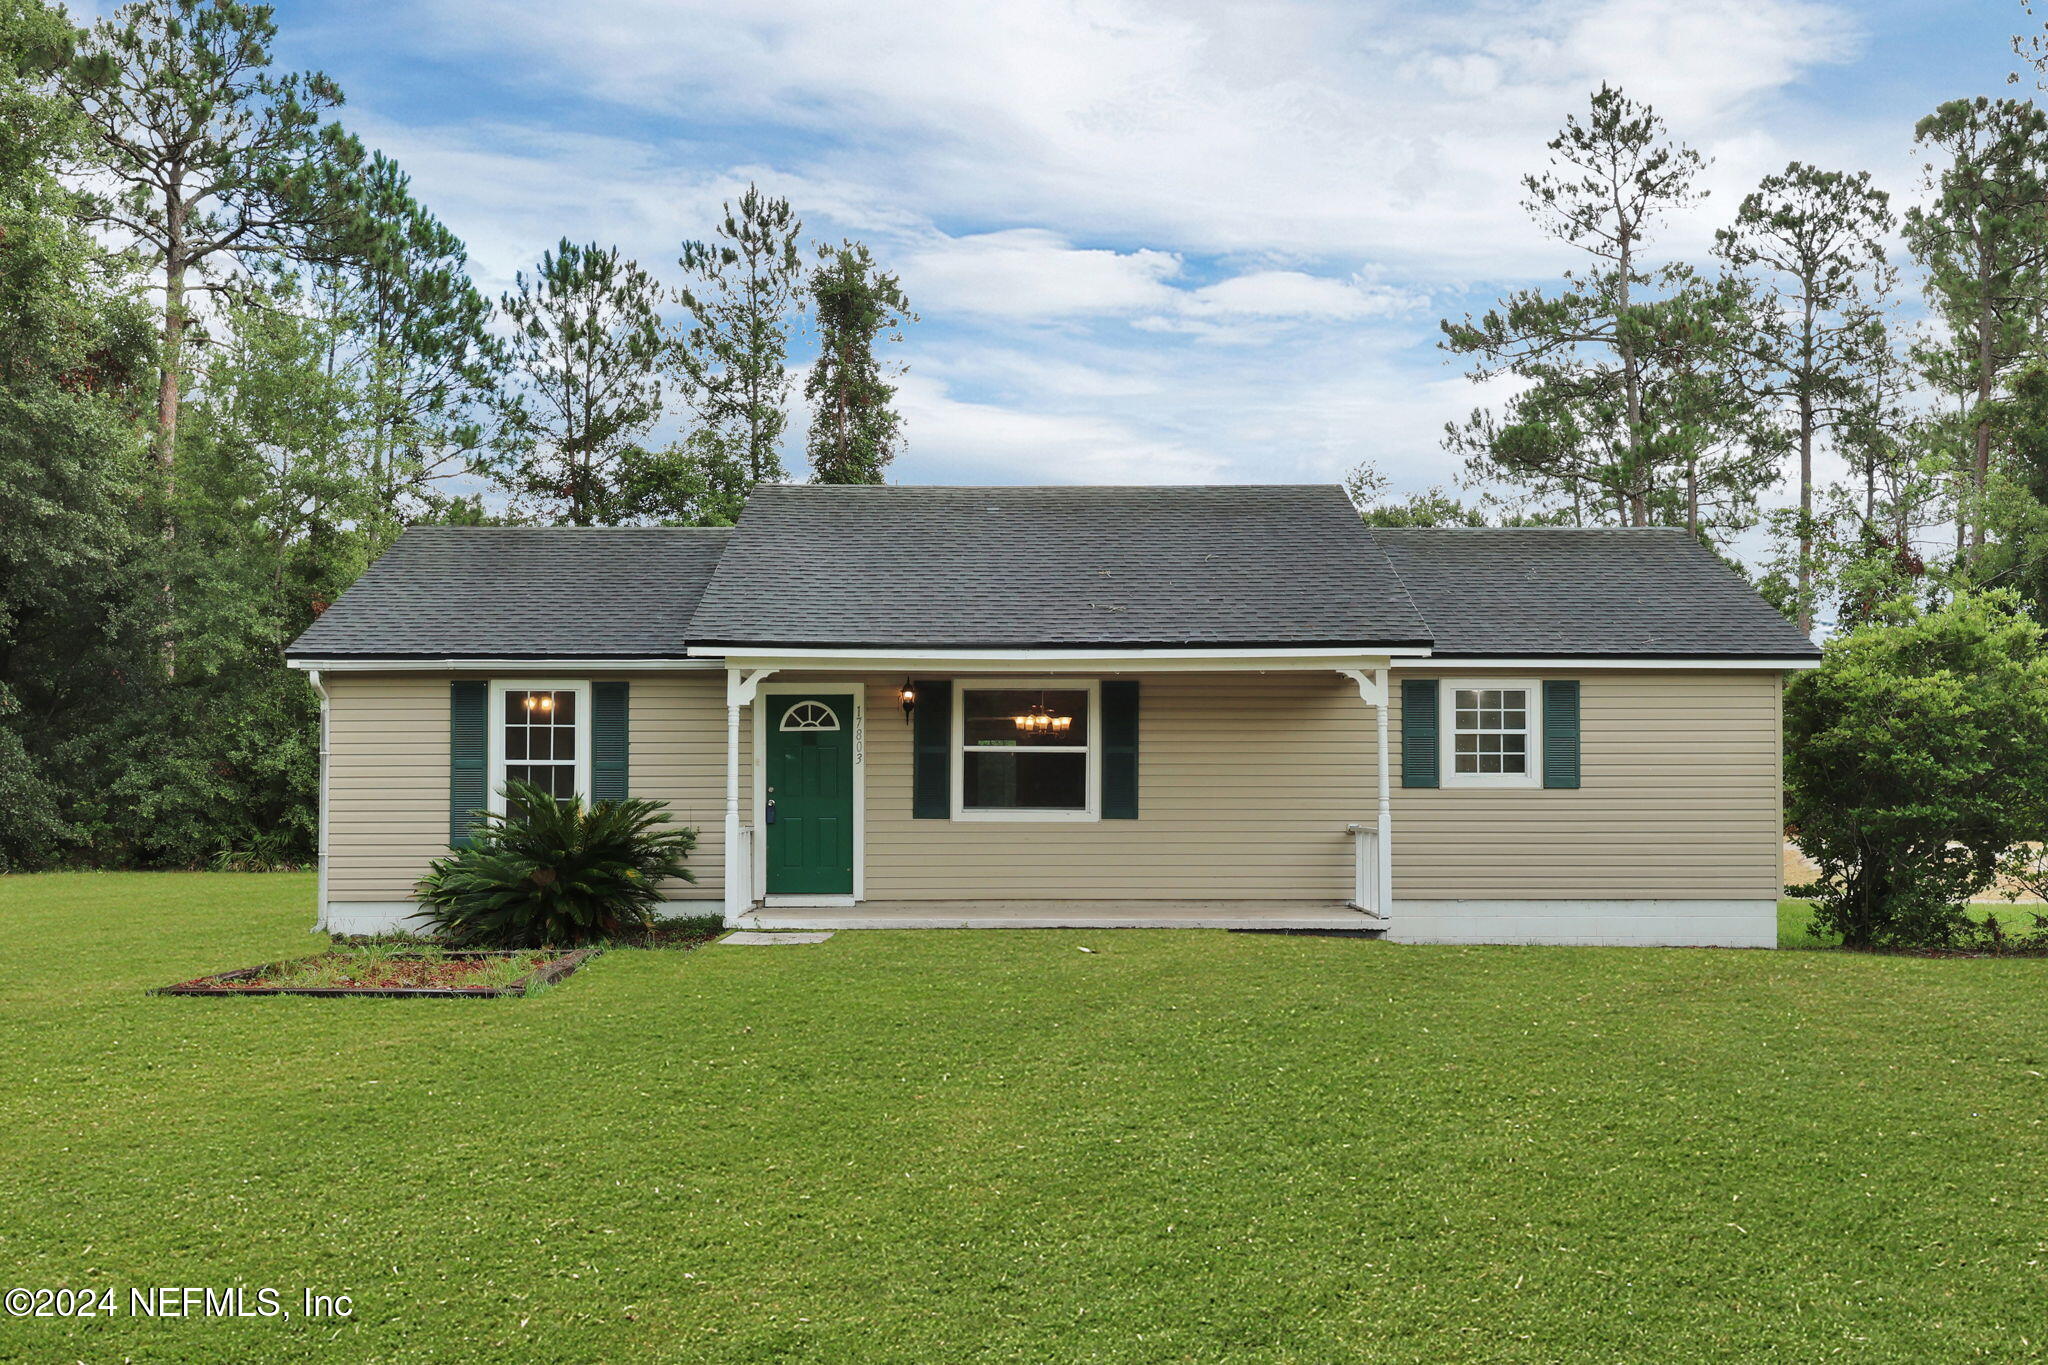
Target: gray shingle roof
x,y
1549,591
1064,566
504,592
903,566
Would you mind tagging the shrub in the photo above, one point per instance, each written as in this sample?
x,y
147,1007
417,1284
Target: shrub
x,y
556,872
1917,767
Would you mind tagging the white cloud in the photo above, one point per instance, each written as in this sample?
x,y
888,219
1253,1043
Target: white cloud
x,y
1143,179
1294,294
1371,131
1035,273
1000,443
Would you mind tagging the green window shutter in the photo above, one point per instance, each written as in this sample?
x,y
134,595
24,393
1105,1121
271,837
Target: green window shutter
x,y
1419,742
1561,733
609,741
931,782
469,709
1120,750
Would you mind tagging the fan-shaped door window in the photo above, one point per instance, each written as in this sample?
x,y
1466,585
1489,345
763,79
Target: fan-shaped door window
x,y
810,715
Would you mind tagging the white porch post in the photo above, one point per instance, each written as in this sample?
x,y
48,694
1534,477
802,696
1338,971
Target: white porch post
x,y
740,689
1377,691
1385,908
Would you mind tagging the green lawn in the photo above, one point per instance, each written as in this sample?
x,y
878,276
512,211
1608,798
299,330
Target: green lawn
x,y
981,1146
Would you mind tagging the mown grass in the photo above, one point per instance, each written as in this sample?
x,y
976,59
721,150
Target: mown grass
x,y
983,1146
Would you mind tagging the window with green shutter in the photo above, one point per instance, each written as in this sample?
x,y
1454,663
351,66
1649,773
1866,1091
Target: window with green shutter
x,y
1419,762
610,740
931,783
1120,749
1561,733
468,757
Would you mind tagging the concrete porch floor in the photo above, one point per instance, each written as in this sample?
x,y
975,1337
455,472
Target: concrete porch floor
x,y
1069,915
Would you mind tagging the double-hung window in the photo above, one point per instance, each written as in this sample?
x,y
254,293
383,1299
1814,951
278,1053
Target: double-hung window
x,y
1492,732
540,733
1025,750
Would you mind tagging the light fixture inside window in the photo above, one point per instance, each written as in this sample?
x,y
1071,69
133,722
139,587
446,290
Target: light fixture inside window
x,y
1040,720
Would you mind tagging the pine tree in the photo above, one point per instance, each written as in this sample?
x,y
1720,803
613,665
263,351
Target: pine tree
x,y
1641,402
1984,243
1818,236
219,159
586,351
854,432
422,340
731,356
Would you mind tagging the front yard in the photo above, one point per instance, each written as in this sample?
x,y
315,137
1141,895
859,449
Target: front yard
x,y
967,1146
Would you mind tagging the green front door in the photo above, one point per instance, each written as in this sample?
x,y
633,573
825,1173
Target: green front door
x,y
810,795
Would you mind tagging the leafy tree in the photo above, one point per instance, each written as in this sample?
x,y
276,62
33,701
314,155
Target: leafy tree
x,y
586,351
1819,237
854,431
1917,766
1641,402
1983,241
731,356
75,354
219,159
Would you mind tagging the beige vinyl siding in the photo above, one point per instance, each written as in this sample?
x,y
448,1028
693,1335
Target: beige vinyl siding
x,y
388,772
387,782
1246,782
1679,800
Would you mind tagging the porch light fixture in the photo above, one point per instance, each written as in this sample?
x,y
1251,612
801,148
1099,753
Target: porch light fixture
x,y
1040,720
909,695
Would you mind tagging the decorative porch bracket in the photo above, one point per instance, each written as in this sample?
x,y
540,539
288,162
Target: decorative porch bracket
x,y
1374,893
741,687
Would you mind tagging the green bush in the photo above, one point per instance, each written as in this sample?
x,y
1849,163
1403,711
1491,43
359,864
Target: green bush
x,y
1917,768
556,872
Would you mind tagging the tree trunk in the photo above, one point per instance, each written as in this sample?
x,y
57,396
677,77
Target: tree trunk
x,y
1805,510
1981,466
1631,382
169,395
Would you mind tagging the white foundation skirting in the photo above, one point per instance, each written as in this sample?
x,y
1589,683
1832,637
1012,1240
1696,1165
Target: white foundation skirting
x,y
399,917
372,917
1645,923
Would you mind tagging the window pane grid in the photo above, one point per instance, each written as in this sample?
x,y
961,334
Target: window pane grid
x,y
540,739
1490,731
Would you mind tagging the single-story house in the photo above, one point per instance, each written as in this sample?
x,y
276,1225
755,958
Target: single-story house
x,y
1201,706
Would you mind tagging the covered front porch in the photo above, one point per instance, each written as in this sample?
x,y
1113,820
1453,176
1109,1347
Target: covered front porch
x,y
1272,916
1253,792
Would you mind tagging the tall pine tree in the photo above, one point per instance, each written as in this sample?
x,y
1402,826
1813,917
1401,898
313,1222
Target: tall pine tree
x,y
854,430
1983,241
731,356
1817,238
586,352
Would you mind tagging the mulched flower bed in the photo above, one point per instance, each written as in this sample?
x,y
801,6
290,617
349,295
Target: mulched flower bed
x,y
426,973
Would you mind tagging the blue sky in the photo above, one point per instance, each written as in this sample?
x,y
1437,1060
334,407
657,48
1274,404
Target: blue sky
x,y
1165,243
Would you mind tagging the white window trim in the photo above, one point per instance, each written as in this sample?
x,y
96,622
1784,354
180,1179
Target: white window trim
x,y
1093,749
494,795
1447,719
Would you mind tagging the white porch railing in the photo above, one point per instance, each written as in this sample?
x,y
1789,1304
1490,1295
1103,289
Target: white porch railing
x,y
739,875
1365,846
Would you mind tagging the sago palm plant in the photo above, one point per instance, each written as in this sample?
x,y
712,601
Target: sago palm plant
x,y
556,872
